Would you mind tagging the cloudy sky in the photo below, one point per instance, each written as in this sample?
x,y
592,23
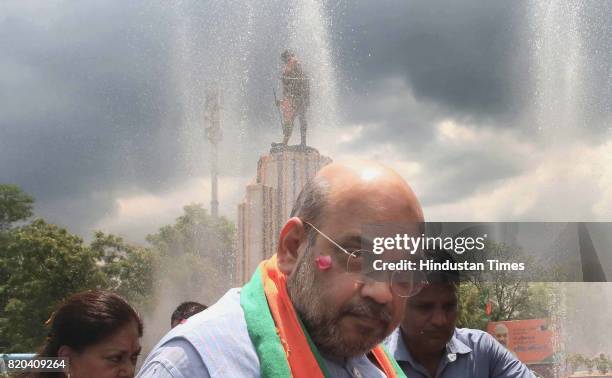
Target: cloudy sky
x,y
491,110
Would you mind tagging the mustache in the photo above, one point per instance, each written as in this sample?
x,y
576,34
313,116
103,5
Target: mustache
x,y
369,310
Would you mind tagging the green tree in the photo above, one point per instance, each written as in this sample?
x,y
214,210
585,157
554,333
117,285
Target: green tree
x,y
589,364
42,264
511,295
574,361
534,302
128,269
471,307
15,205
196,254
195,232
603,363
521,300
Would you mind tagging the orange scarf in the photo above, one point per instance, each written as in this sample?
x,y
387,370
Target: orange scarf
x,y
301,354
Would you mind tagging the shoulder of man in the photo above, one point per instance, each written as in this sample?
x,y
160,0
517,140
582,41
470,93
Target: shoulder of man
x,y
214,341
484,346
473,337
481,342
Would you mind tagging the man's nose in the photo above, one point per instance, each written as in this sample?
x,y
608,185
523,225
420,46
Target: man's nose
x,y
127,370
380,292
439,317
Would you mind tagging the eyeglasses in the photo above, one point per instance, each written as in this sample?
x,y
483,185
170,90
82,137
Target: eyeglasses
x,y
404,284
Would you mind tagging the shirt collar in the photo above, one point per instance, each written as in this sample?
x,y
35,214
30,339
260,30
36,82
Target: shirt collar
x,y
401,353
398,347
457,346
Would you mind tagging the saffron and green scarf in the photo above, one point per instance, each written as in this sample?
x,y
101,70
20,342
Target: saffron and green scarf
x,y
281,341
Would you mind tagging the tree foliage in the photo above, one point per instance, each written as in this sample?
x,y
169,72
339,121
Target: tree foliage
x,y
589,364
127,269
42,264
471,307
511,296
15,205
196,233
574,361
603,363
196,255
533,300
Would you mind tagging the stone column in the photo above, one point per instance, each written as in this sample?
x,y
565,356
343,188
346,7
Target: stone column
x,y
281,174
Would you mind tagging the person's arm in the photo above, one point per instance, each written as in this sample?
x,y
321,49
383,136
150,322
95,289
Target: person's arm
x,y
503,363
175,359
159,370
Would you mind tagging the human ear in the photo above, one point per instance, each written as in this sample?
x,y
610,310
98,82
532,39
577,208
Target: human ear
x,y
64,351
291,236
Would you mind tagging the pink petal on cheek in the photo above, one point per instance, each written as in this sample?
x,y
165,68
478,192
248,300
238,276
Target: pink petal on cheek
x,y
323,262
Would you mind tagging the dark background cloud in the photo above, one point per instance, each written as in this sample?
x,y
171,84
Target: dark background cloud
x,y
459,54
102,100
86,103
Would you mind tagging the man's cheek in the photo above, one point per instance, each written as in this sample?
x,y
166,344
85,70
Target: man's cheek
x,y
398,311
414,323
331,300
342,291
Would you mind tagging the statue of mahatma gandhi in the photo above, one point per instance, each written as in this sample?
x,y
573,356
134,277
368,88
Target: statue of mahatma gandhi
x,y
295,100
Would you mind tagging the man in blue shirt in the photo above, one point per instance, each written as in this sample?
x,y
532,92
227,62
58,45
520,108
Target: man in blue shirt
x,y
428,345
345,313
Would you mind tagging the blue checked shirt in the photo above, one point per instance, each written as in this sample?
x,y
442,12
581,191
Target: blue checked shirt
x,y
470,353
215,343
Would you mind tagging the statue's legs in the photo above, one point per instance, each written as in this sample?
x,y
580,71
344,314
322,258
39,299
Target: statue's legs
x,y
303,126
287,130
288,117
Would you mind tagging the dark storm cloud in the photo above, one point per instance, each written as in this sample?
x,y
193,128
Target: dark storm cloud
x,y
465,55
471,61
85,98
410,65
104,100
477,60
466,172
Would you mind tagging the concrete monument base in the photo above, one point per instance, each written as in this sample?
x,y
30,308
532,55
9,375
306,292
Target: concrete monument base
x,y
281,174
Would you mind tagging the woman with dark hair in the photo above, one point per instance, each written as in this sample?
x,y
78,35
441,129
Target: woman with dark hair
x,y
98,332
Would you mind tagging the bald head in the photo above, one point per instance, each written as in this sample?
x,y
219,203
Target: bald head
x,y
370,185
501,328
345,317
501,334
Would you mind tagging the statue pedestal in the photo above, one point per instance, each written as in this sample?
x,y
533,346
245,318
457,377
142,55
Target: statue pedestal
x,y
281,174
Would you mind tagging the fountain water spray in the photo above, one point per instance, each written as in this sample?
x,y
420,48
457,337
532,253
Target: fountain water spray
x,y
237,44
